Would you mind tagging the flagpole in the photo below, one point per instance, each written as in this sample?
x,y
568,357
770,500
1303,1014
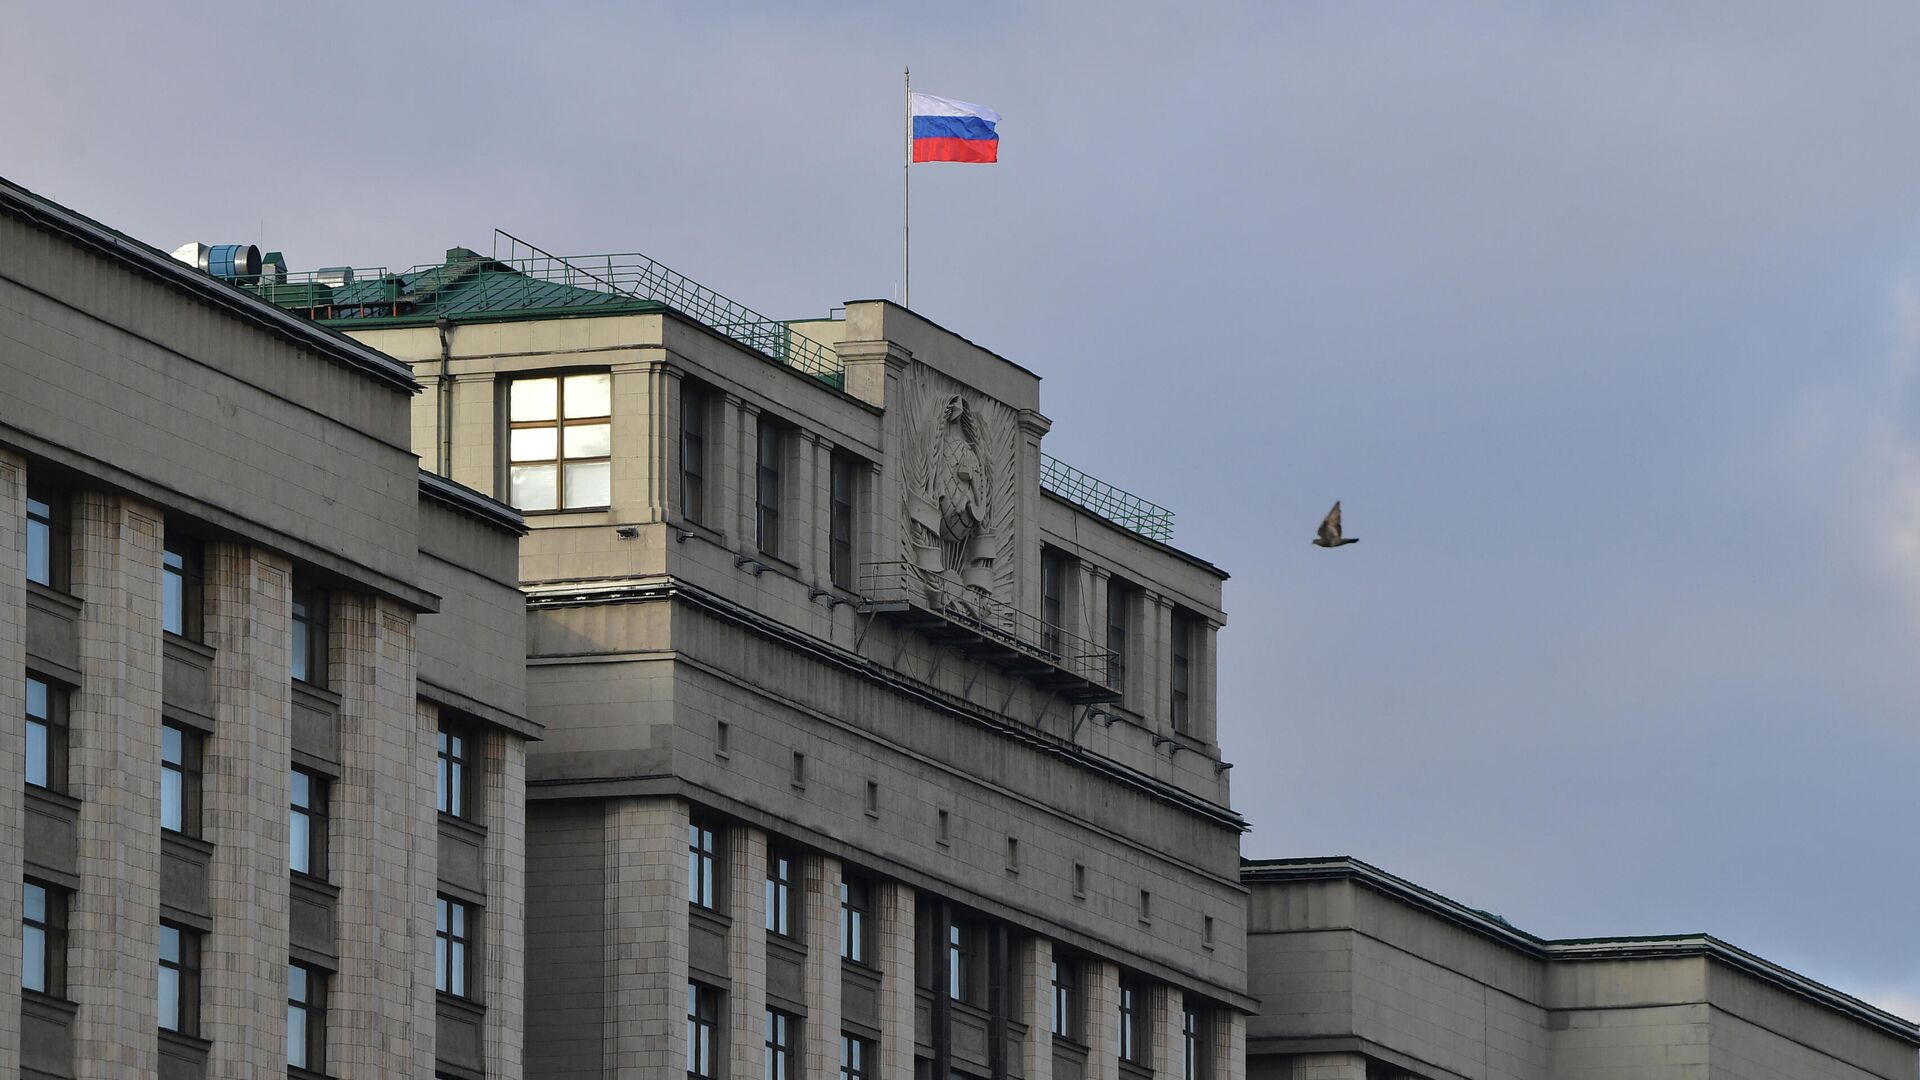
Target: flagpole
x,y
906,199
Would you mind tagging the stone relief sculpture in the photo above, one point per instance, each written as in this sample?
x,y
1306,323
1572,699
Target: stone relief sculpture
x,y
960,496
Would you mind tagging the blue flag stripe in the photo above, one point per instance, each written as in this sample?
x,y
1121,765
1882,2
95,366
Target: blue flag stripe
x,y
952,127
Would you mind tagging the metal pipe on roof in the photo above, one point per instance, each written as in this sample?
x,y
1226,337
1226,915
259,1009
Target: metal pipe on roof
x,y
443,410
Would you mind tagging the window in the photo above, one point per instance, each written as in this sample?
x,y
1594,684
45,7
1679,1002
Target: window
x,y
179,780
43,948
1133,1027
1181,703
452,785
845,481
451,939
693,452
779,894
1066,998
1119,613
700,866
855,1053
179,979
855,904
703,1031
962,950
307,825
306,1017
47,561
46,735
779,1045
1193,1060
180,587
766,499
560,442
1054,568
309,634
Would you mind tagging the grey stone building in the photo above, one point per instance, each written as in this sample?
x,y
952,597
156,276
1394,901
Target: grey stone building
x,y
262,702
877,742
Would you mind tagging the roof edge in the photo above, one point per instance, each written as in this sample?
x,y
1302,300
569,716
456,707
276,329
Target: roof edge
x,y
472,503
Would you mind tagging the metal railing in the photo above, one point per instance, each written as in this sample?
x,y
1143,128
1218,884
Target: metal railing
x,y
1127,510
902,585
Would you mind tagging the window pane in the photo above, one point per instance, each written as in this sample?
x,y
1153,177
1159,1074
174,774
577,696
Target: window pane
x,y
39,550
172,745
534,487
589,485
296,983
37,698
531,399
36,753
299,856
299,664
296,1035
589,440
170,999
302,789
458,975
589,395
33,959
533,444
172,805
173,604
440,963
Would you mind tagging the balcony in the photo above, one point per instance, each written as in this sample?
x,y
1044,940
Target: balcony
x,y
1018,643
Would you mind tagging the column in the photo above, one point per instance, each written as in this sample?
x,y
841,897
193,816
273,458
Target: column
x,y
1158,665
1033,975
476,423
646,1004
724,488
1093,591
1228,1052
503,933
13,708
1101,984
893,954
383,847
114,758
820,907
747,472
877,542
745,895
1166,1044
244,812
803,502
642,434
819,566
1206,683
1032,426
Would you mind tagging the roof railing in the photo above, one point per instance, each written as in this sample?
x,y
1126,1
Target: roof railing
x,y
1125,509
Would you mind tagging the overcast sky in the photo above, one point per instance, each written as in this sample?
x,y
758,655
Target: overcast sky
x,y
1604,321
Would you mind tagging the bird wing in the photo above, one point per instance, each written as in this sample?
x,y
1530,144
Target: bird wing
x,y
1330,527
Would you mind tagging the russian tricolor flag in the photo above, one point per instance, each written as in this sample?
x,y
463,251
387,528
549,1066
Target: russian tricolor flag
x,y
948,130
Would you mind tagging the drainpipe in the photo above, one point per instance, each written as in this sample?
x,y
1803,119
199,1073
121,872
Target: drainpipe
x,y
443,444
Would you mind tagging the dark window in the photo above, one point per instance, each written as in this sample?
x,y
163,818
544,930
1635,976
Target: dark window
x,y
855,905
1181,685
1133,1022
779,894
452,785
779,1045
1119,612
703,1031
179,780
46,735
845,485
43,938
962,962
766,501
309,634
560,442
855,1054
306,1017
1054,567
47,538
1066,998
179,979
700,892
180,587
307,825
693,452
1193,1054
452,937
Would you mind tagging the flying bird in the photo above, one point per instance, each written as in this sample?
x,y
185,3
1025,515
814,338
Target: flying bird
x,y
1330,531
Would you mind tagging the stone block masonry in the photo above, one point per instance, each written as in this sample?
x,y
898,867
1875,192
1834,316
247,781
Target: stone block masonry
x,y
646,992
13,708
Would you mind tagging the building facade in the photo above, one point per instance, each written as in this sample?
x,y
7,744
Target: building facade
x,y
262,704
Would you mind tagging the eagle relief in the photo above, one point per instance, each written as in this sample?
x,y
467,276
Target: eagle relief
x,y
959,498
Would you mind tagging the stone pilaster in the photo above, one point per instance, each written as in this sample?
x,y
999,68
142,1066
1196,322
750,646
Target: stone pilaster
x,y
1032,427
384,827
646,1004
820,908
1319,1067
476,424
747,427
817,563
244,815
727,489
1166,1043
114,764
1158,665
503,935
1228,1052
1100,982
745,896
803,502
1093,607
644,446
1206,682
13,707
1033,1005
893,955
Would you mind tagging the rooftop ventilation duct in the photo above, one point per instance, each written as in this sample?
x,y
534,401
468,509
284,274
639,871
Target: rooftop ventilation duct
x,y
231,262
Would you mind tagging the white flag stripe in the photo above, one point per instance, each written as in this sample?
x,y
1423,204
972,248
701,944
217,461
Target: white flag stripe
x,y
928,105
